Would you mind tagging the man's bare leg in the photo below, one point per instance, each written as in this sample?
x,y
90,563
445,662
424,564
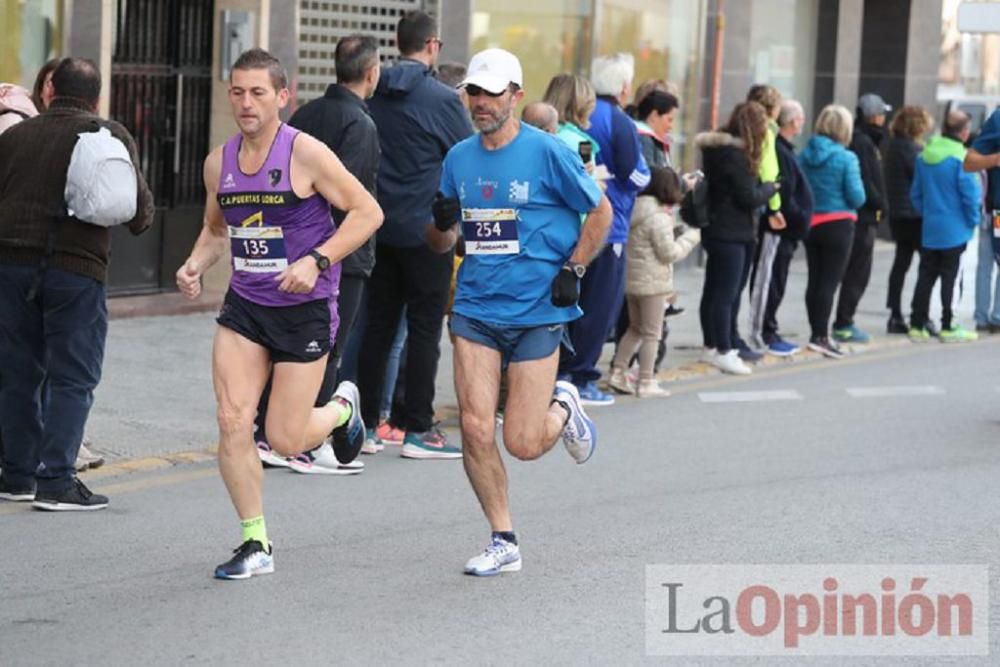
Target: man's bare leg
x,y
239,372
477,384
293,424
532,421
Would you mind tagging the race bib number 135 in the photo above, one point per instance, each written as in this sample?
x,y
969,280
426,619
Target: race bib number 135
x,y
258,249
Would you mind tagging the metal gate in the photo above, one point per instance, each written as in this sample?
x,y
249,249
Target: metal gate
x,y
161,89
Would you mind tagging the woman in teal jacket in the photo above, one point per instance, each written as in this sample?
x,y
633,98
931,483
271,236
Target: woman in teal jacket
x,y
835,178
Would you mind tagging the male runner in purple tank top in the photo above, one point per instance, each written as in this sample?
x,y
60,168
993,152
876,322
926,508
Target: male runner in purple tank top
x,y
270,189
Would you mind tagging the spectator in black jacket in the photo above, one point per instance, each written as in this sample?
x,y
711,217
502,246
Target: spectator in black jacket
x,y
341,120
731,158
777,246
419,119
908,127
868,141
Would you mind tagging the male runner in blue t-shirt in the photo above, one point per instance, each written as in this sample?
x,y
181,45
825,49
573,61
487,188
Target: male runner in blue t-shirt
x,y
518,194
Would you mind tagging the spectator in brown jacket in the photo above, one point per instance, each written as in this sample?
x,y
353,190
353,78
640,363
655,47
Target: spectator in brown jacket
x,y
53,270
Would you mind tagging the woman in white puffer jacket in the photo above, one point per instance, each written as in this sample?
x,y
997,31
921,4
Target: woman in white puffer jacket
x,y
649,278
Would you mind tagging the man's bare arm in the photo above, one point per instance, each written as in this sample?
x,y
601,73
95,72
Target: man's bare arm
x,y
595,232
212,241
976,161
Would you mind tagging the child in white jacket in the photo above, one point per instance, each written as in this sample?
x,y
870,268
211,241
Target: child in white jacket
x,y
651,252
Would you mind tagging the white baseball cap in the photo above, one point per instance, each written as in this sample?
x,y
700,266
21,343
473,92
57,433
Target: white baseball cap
x,y
493,70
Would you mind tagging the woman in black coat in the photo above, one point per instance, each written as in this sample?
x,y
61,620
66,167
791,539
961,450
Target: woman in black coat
x,y
908,127
731,160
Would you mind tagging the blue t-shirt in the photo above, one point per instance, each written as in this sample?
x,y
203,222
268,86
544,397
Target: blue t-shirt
x,y
986,143
521,207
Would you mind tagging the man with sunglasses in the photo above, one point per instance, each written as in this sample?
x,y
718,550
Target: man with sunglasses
x,y
418,120
519,194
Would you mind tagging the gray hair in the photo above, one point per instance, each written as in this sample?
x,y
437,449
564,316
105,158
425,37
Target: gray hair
x,y
354,56
790,110
612,74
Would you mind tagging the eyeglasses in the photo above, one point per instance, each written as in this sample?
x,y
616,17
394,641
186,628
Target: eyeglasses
x,y
475,91
437,41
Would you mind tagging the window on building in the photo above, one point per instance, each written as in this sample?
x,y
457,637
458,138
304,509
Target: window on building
x,y
32,36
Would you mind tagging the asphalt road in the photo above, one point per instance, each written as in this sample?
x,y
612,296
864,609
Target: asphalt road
x,y
827,470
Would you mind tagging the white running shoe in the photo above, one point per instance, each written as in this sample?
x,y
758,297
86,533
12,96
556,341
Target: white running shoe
x,y
321,461
499,556
730,362
268,457
709,356
651,389
579,434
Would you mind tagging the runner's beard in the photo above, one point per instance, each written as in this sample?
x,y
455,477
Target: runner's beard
x,y
496,121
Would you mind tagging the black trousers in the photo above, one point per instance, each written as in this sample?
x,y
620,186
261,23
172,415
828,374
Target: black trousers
x,y
419,279
348,300
727,271
934,264
827,251
906,233
857,274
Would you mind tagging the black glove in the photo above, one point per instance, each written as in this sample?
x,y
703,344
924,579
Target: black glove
x,y
446,211
565,288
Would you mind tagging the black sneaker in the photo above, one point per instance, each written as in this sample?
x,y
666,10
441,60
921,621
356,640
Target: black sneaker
x,y
933,328
673,311
897,325
826,347
76,498
349,438
747,353
18,494
248,559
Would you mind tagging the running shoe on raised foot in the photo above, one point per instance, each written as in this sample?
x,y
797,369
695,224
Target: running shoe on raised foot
x,y
851,334
432,444
18,494
389,434
321,461
956,334
268,457
920,335
350,437
826,347
373,444
76,498
249,559
579,433
590,395
499,556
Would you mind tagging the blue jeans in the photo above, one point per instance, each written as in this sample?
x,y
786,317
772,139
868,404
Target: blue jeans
x,y
51,350
987,292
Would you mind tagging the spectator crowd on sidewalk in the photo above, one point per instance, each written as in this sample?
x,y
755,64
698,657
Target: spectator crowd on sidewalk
x,y
752,203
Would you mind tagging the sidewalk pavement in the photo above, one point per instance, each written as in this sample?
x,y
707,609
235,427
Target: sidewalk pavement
x,y
155,406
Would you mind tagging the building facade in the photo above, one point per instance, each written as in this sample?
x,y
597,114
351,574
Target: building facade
x,y
165,61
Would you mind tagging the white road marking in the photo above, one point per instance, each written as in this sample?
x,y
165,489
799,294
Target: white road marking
x,y
749,396
878,392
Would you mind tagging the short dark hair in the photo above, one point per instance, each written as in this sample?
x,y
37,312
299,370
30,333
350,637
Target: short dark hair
x,y
658,101
36,91
260,59
354,56
78,78
451,74
414,30
665,185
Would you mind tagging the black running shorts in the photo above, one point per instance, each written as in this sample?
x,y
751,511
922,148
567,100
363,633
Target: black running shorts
x,y
297,334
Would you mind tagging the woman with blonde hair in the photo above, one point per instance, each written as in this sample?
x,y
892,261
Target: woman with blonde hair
x,y
731,157
835,177
907,130
574,99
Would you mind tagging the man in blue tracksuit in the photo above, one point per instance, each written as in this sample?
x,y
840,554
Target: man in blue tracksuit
x,y
603,287
949,201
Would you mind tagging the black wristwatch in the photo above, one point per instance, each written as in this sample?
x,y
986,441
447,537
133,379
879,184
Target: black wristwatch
x,y
322,261
579,269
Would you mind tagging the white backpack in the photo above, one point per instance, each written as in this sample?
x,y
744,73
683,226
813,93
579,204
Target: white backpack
x,y
101,182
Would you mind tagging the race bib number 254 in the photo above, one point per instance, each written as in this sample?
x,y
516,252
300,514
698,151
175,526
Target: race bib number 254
x,y
490,231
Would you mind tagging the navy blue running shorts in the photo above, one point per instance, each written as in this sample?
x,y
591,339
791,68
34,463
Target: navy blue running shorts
x,y
514,343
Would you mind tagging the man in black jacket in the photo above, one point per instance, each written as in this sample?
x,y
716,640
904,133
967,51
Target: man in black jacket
x,y
341,120
419,119
53,271
777,246
869,137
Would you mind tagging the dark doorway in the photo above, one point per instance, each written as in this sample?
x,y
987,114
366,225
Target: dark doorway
x,y
161,91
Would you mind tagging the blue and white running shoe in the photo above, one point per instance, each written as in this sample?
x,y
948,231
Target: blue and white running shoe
x,y
499,556
349,438
249,559
579,434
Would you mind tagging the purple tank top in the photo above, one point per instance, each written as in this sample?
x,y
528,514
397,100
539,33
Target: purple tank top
x,y
270,227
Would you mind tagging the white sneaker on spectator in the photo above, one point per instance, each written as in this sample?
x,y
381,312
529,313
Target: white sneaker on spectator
x,y
730,362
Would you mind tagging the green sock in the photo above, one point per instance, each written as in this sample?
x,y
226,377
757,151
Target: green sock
x,y
345,413
254,529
